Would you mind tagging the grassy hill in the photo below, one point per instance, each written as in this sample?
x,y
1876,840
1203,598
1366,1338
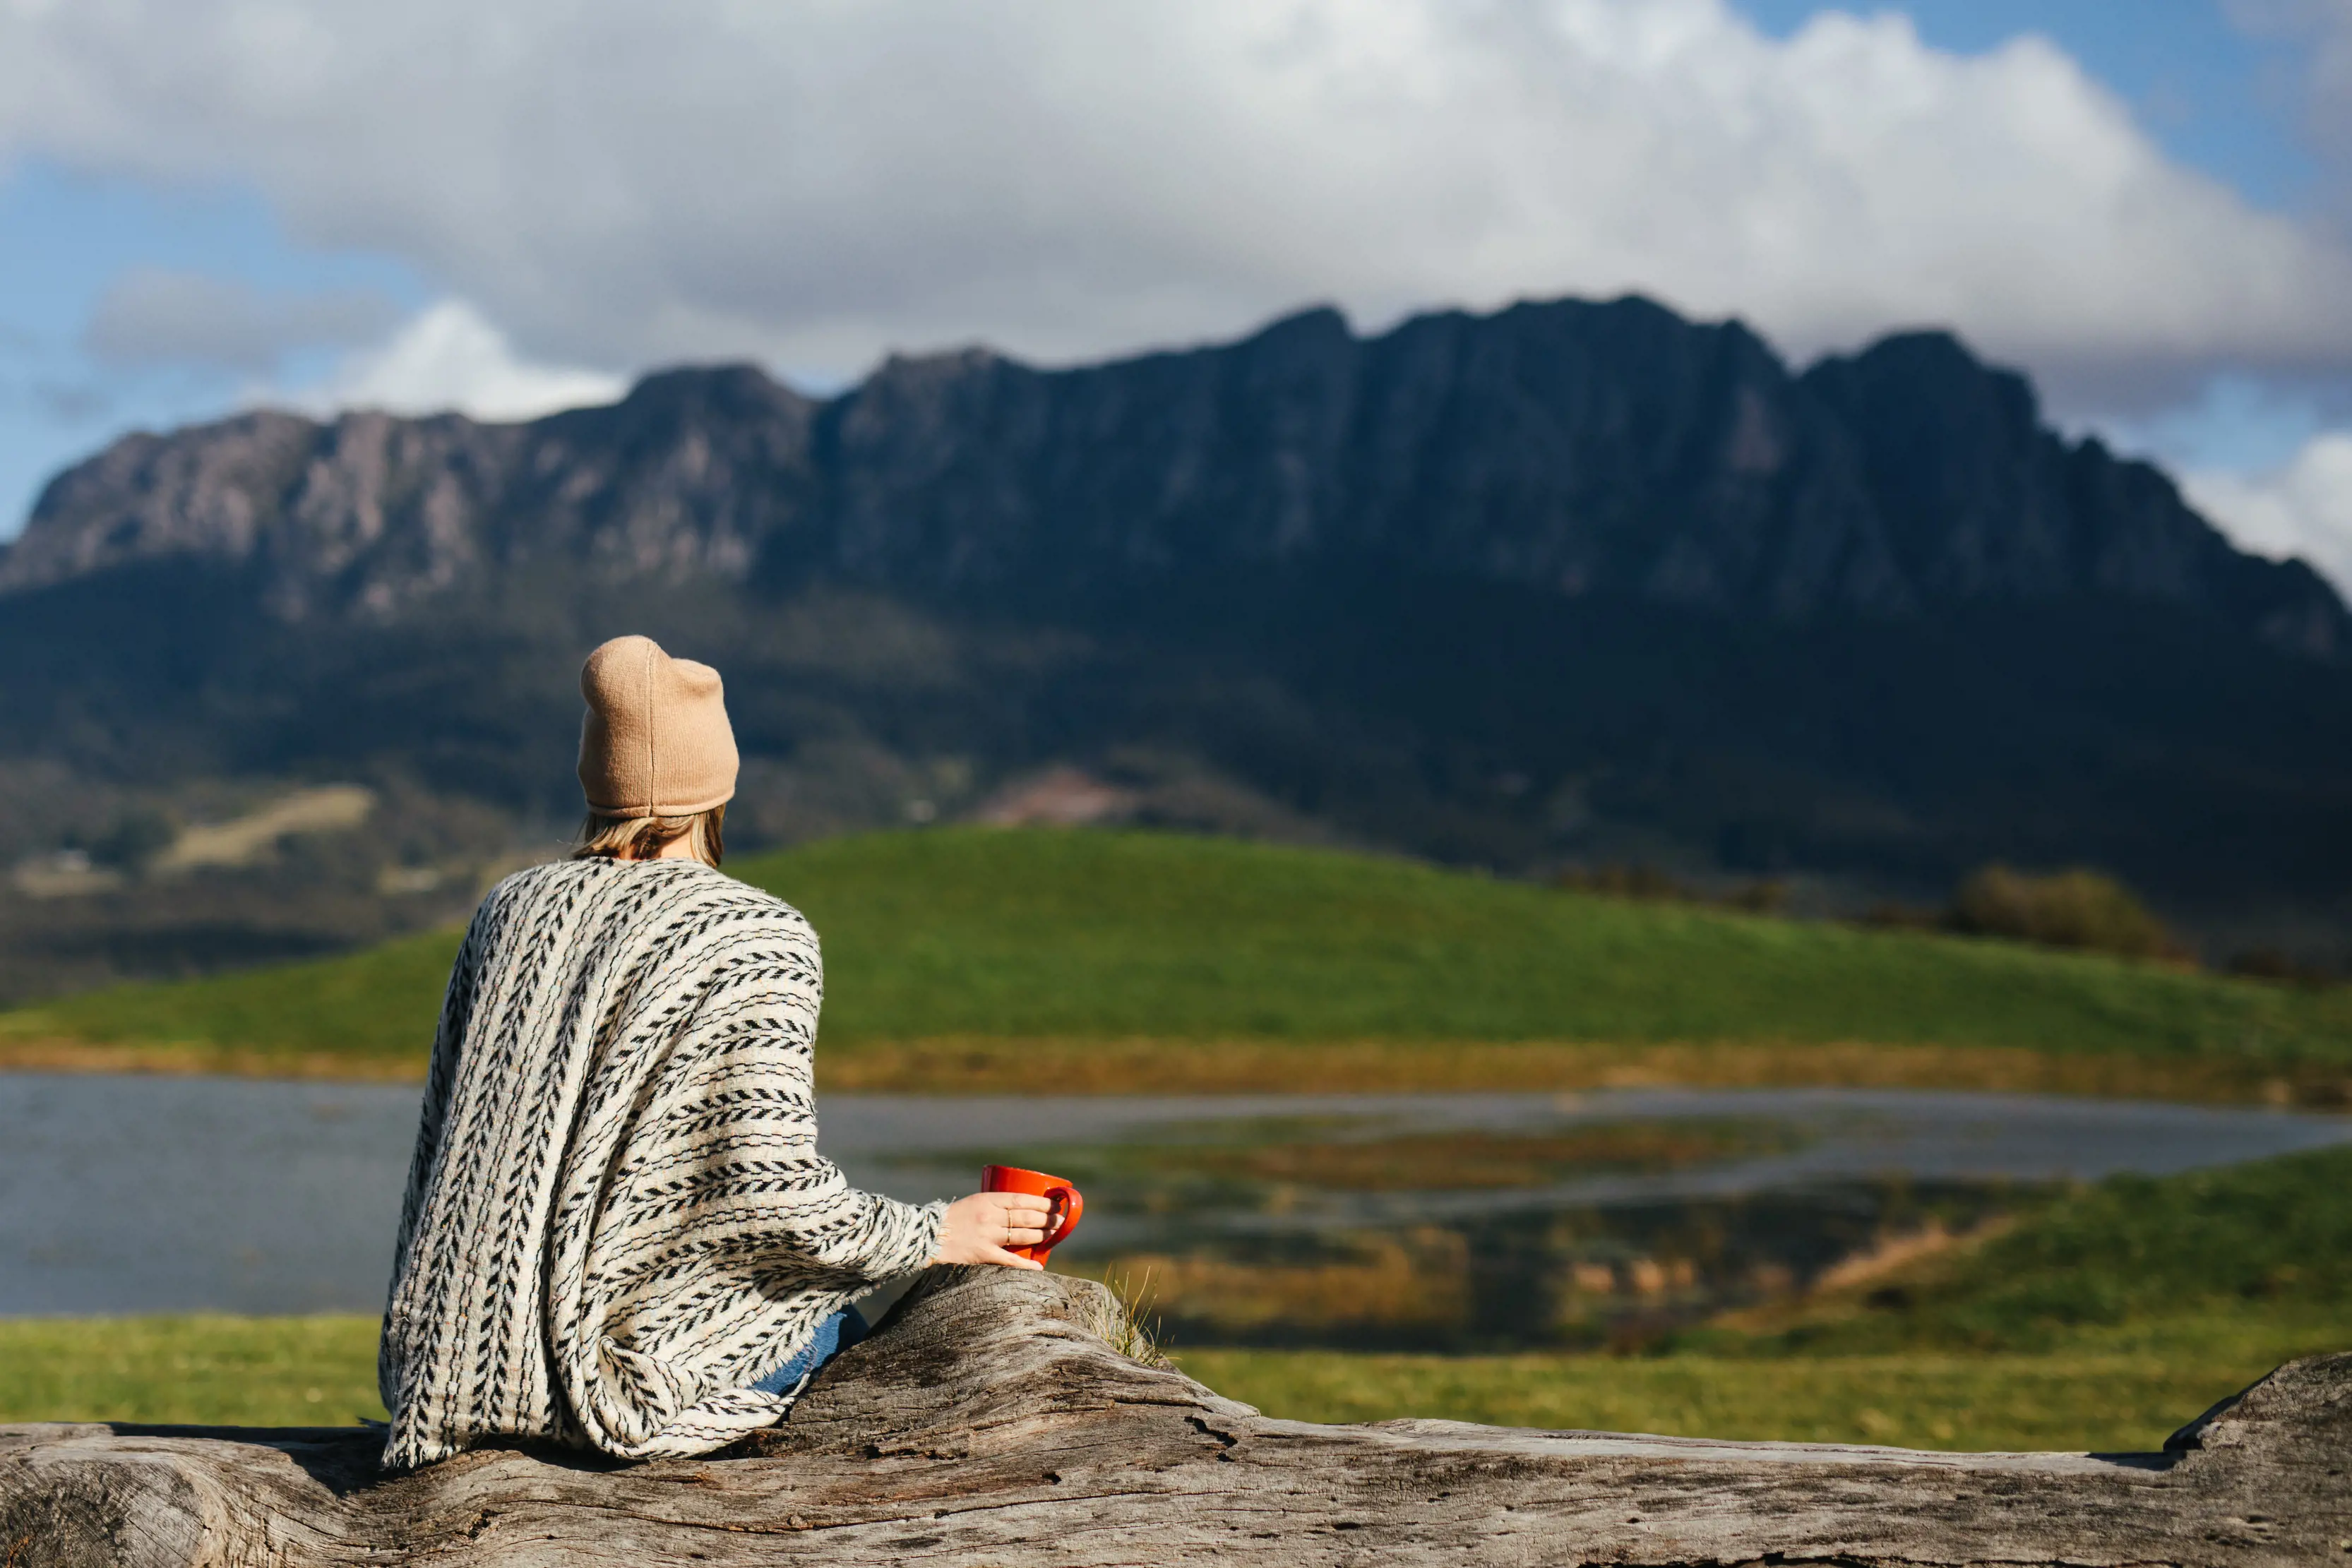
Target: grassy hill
x,y
1158,958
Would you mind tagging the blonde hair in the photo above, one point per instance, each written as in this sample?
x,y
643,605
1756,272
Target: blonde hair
x,y
645,837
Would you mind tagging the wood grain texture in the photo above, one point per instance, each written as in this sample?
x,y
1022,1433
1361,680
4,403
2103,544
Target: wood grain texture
x,y
987,1422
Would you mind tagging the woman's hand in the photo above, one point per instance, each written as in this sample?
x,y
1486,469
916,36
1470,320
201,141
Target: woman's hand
x,y
979,1228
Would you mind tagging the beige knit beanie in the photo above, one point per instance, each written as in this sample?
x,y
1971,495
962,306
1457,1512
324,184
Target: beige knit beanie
x,y
656,742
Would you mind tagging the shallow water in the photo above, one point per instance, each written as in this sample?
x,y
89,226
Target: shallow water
x,y
131,1194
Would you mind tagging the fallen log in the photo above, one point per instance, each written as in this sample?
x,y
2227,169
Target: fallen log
x,y
990,1420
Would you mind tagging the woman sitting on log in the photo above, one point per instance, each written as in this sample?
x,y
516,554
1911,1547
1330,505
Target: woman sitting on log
x,y
618,1233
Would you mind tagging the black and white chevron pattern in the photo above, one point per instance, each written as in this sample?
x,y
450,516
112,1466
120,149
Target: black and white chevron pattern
x,y
616,1216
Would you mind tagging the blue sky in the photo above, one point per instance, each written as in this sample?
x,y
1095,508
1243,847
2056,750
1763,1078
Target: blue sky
x,y
2218,95
204,205
69,237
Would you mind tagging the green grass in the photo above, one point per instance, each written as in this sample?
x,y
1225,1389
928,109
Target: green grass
x,y
376,1006
965,933
2121,1263
204,1371
296,1372
2077,1401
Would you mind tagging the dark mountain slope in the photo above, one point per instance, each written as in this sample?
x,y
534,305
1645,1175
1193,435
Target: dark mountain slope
x,y
1984,503
1580,449
1570,580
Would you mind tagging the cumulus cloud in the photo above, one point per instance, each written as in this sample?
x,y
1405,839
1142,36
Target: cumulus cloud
x,y
450,357
618,183
2302,509
155,316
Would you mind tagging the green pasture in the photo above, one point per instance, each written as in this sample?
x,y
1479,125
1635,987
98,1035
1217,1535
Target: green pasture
x,y
2080,1400
976,933
320,1371
198,1370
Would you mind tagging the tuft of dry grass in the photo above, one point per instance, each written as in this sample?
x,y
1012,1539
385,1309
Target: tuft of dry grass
x,y
1119,1314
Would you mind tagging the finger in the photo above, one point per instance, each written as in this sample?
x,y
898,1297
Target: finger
x,y
1024,1203
1009,1259
1024,1236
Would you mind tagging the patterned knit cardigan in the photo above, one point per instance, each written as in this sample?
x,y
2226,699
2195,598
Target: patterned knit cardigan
x,y
617,1218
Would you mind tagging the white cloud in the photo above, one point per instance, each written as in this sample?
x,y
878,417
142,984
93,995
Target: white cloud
x,y
449,356
2302,509
621,184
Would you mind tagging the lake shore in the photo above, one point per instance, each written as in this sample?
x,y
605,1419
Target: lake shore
x,y
989,1065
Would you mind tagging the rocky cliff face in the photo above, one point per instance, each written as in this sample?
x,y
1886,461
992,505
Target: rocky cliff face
x,y
1582,450
375,514
1568,583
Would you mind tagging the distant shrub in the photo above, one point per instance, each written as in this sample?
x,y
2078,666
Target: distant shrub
x,y
1648,884
2078,909
2270,963
137,837
1638,881
1769,896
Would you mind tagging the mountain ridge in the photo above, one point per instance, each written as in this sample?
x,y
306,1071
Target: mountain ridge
x,y
1561,583
1584,448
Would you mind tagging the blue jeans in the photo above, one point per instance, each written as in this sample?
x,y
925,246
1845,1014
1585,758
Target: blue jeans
x,y
833,1336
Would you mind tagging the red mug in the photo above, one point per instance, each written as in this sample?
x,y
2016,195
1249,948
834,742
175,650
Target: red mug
x,y
1059,1222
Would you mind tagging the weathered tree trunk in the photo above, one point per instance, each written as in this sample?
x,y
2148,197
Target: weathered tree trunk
x,y
988,1422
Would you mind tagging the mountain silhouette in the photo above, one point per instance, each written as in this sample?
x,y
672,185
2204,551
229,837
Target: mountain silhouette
x,y
1566,581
